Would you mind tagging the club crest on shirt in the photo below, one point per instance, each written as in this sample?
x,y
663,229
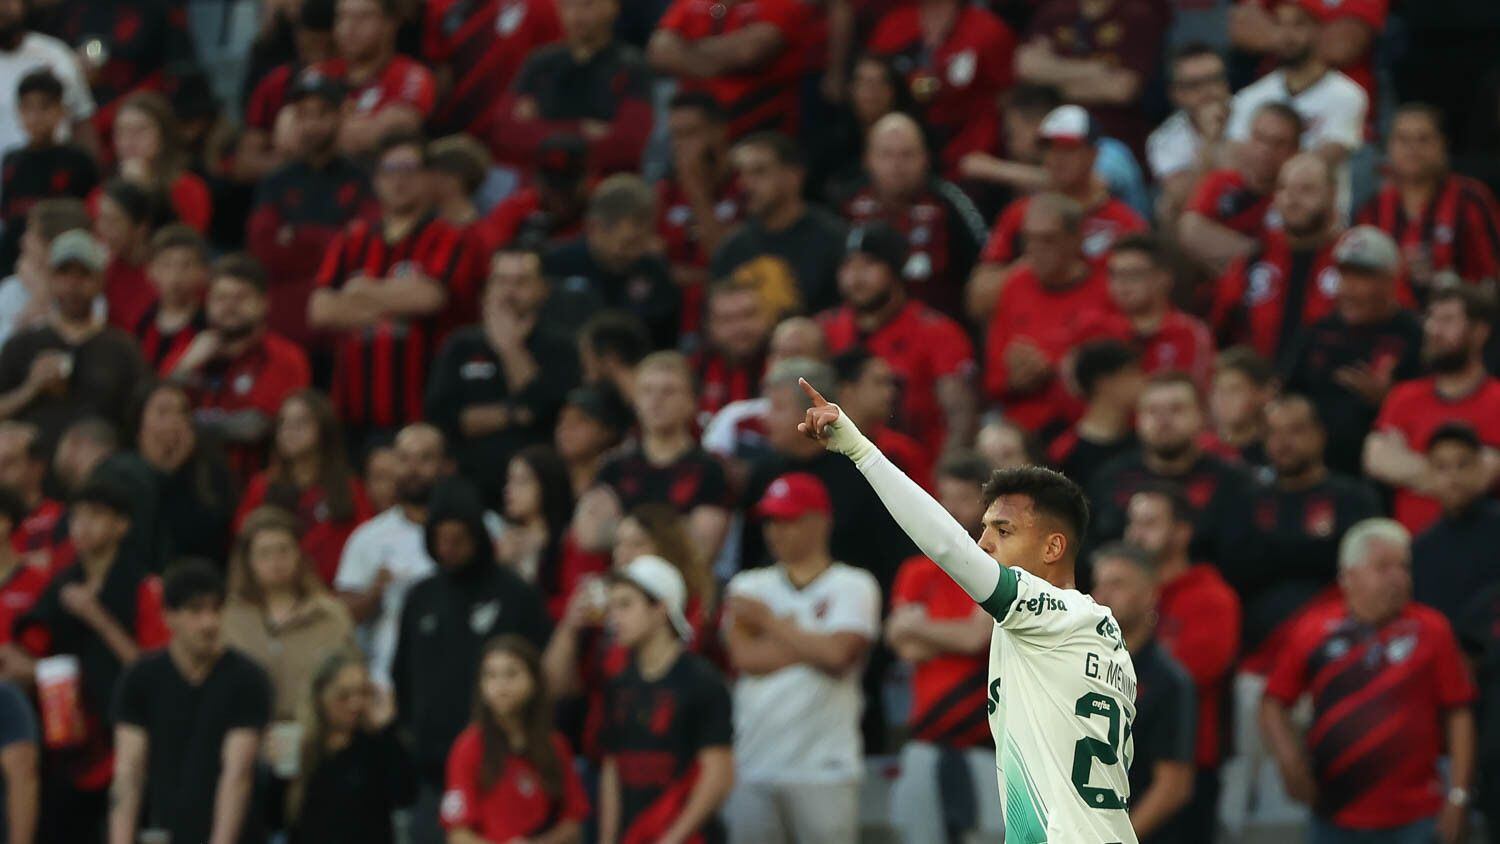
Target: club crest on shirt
x,y
1319,518
1398,649
1263,280
509,19
477,370
1442,234
243,382
918,267
482,616
961,68
368,99
1328,282
453,809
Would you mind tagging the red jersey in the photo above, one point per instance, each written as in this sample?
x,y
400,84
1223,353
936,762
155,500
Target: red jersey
x,y
1182,343
1378,694
1458,231
323,536
1050,320
721,381
910,456
1200,625
43,532
1103,224
1224,197
403,81
269,96
1415,409
516,806
948,691
1264,299
128,294
482,43
190,199
519,213
678,229
763,97
1372,13
956,84
922,347
18,592
157,346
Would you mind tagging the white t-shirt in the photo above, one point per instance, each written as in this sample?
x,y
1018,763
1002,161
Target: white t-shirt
x,y
38,50
1333,109
800,725
1173,147
14,297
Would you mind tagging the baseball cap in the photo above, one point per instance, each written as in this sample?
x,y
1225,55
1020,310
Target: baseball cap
x,y
663,583
77,247
311,83
793,496
880,241
603,405
1367,248
562,160
1068,124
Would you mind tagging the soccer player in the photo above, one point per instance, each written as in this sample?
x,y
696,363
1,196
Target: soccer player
x,y
1062,707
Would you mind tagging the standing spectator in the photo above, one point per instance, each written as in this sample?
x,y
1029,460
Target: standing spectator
x,y
124,47
957,60
1190,142
698,202
1453,560
387,93
488,390
942,228
510,776
936,628
38,167
550,210
1243,383
1392,657
1109,378
196,491
1454,335
1347,361
730,363
126,215
269,134
309,477
477,49
875,88
786,249
868,388
668,764
21,580
189,720
353,771
591,423
25,296
24,52
456,169
149,153
538,509
747,55
179,273
591,84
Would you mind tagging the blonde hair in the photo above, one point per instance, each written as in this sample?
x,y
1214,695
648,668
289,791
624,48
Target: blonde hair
x,y
1354,548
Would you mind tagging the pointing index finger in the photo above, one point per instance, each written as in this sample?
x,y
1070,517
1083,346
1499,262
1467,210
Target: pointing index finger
x,y
817,397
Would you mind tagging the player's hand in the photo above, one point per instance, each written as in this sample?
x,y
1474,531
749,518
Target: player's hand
x,y
822,413
828,424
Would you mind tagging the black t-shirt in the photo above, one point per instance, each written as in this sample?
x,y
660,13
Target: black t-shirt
x,y
692,480
566,89
1165,727
350,797
644,290
796,268
1081,458
32,174
655,730
1456,559
107,368
1478,629
185,726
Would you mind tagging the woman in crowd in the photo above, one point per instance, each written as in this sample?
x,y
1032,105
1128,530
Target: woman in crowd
x,y
510,776
125,216
309,477
353,771
538,508
196,490
149,147
876,89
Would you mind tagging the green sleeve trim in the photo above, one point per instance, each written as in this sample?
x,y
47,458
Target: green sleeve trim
x,y
999,601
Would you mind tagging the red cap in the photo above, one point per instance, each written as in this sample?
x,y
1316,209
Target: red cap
x,y
793,496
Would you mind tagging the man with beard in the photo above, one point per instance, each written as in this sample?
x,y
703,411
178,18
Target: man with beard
x,y
1458,324
930,353
728,366
387,92
23,51
1191,140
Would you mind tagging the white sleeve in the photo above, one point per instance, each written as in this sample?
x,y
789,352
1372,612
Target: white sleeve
x,y
1343,120
356,565
1241,109
856,609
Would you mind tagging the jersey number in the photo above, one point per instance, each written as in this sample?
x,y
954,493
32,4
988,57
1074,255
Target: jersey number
x,y
1086,750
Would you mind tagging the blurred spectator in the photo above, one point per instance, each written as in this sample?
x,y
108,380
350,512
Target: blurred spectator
x,y
488,388
477,49
269,127
1391,657
1453,560
538,508
123,47
72,365
196,489
1441,220
18,765
1457,326
1199,623
42,525
178,271
26,297
382,287
353,770
510,776
308,476
668,763
1347,361
1109,378
149,152
1228,211
380,471
729,365
942,228
90,450
746,54
1190,142
386,92
592,422
21,580
612,265
1005,444
699,201
188,723
1036,317
1243,383
24,52
456,169
738,431
786,249
1166,710
1288,281
875,88
610,346
125,217
797,633
37,166
957,60
445,620
868,388
550,210
947,779
591,84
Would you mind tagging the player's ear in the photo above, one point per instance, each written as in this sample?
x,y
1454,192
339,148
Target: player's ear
x,y
1055,549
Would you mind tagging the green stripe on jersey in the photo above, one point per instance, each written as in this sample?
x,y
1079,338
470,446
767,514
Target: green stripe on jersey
x,y
1025,816
999,601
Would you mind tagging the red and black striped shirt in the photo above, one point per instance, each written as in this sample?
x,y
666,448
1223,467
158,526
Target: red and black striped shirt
x,y
948,690
1458,231
483,43
158,346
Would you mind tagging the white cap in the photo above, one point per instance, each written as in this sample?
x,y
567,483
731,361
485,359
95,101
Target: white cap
x,y
1068,124
660,580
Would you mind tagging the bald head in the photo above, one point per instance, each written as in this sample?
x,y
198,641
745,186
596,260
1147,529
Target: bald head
x,y
796,337
1305,192
896,156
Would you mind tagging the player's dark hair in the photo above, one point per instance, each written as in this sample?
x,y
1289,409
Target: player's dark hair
x,y
1433,114
41,81
179,236
189,580
785,150
241,266
1478,302
1461,433
1126,552
1286,113
1033,99
1247,362
701,102
1101,359
617,334
967,465
1177,501
1051,493
1144,244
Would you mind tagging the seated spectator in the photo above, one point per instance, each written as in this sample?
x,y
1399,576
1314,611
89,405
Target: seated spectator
x,y
196,489
786,249
39,168
1454,334
1453,560
509,775
27,50
1228,211
537,511
25,297
957,60
1165,728
126,215
930,353
942,228
72,365
21,582
178,270
610,347
868,388
149,153
550,210
354,771
456,169
1288,281
386,92
590,83
937,629
309,477
1243,382
1109,378
43,524
592,422
143,40
668,707
383,286
611,265
189,720
1347,361
1190,142
1442,221
745,54
488,389
729,365
268,136
1410,669
1038,314
477,51
698,202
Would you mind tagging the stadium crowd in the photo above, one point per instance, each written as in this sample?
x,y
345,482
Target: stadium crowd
x,y
398,406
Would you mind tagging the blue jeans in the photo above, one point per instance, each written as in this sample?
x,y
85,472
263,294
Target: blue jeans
x,y
1421,832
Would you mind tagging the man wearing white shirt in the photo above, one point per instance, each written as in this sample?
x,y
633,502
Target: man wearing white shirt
x,y
798,633
21,52
1186,143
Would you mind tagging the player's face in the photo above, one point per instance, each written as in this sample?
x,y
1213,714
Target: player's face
x,y
1458,475
1416,147
1380,586
1015,534
505,684
1128,591
963,501
1135,283
897,161
663,400
632,616
1168,419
